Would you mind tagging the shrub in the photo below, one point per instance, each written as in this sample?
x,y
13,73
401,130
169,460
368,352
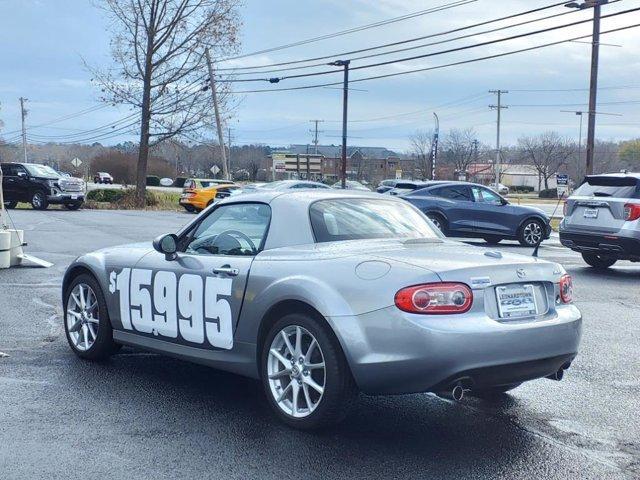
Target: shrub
x,y
153,181
548,193
110,195
179,182
522,189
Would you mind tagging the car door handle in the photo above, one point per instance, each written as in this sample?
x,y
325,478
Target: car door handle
x,y
226,269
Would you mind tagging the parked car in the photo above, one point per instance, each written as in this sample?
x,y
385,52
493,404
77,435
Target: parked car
x,y
602,219
461,209
502,189
388,184
321,294
292,184
405,186
352,185
102,177
41,186
195,199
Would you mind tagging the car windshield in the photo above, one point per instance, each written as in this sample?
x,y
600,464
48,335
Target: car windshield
x,y
357,219
609,186
41,171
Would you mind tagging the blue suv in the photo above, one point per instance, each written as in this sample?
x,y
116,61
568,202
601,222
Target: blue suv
x,y
461,209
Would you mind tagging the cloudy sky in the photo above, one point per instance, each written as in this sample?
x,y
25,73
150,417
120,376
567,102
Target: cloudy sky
x,y
43,42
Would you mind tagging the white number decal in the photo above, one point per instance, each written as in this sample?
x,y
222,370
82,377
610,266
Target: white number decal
x,y
190,297
164,299
120,283
220,335
163,305
141,313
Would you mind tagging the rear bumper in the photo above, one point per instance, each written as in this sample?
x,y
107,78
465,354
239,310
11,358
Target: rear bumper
x,y
623,248
391,352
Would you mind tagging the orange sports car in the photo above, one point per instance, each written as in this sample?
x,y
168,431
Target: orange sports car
x,y
198,194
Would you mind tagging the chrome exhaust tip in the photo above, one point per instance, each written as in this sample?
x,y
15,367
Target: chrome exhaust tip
x,y
457,393
557,376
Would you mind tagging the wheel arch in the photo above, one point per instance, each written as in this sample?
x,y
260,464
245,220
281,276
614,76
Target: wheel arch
x,y
531,216
285,307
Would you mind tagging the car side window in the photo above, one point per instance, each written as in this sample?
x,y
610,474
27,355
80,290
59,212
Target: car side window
x,y
455,192
8,170
236,229
484,195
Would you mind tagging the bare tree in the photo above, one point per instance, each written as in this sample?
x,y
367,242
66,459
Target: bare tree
x,y
547,152
460,148
158,48
421,145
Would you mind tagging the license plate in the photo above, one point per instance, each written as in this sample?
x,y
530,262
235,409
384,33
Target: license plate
x,y
591,213
516,301
74,197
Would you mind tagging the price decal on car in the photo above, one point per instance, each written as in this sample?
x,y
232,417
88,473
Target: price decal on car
x,y
191,307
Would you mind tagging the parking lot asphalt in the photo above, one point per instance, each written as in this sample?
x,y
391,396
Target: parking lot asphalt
x,y
143,415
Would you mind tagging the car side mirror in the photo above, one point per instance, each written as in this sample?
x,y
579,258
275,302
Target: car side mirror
x,y
22,174
167,244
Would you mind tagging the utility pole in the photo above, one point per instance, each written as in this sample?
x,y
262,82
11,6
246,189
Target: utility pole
x,y
345,100
499,107
214,96
23,113
593,85
434,147
229,146
315,136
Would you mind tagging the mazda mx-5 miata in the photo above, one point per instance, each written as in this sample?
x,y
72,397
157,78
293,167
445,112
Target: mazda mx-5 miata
x,y
322,294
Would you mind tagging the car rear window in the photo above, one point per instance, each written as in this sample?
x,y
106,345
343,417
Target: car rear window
x,y
360,218
609,186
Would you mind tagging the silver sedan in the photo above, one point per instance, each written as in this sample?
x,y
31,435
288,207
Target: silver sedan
x,y
322,294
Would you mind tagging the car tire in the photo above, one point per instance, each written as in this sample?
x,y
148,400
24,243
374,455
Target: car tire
x,y
10,205
209,203
493,240
439,221
531,233
493,392
598,261
39,201
189,208
73,206
85,341
339,391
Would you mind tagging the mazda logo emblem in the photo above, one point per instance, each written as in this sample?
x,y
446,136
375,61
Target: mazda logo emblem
x,y
521,273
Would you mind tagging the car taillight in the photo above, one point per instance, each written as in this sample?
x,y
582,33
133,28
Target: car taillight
x,y
631,211
189,195
565,208
435,298
566,289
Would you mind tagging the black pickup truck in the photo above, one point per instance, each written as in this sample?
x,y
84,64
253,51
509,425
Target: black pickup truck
x,y
40,186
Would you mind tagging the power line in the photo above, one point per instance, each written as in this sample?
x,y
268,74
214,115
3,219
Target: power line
x,y
415,47
433,54
437,67
401,42
353,30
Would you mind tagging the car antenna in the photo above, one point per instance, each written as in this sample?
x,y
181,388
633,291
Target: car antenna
x,y
537,247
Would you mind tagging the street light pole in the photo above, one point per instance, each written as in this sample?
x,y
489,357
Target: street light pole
x,y
434,146
345,100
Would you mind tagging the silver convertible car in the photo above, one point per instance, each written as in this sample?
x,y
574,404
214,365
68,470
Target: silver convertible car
x,y
322,294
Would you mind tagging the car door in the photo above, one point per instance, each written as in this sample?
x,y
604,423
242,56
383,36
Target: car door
x,y
491,213
196,298
456,204
15,183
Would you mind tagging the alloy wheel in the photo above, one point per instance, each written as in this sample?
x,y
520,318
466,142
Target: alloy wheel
x,y
532,233
296,371
83,317
37,200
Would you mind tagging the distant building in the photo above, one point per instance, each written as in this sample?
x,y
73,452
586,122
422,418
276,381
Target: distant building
x,y
365,164
513,175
